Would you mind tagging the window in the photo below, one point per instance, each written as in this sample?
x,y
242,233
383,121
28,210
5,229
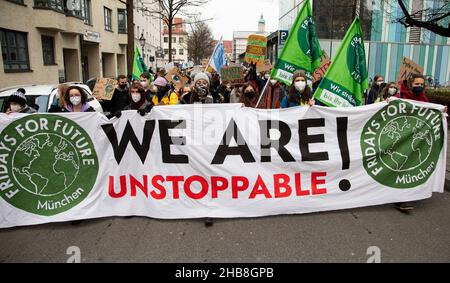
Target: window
x,y
166,39
174,40
53,4
86,11
174,52
122,20
166,51
181,51
14,50
17,1
108,22
181,40
48,50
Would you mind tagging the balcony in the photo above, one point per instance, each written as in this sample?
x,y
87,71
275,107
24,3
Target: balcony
x,y
53,15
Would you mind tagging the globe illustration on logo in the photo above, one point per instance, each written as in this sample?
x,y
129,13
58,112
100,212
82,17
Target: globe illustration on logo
x,y
45,164
400,153
50,163
401,145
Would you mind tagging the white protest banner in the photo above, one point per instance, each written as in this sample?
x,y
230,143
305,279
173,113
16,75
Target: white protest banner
x,y
195,161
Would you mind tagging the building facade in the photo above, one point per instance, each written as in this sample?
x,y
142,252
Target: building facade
x,y
57,41
148,25
240,39
386,42
52,42
179,42
228,48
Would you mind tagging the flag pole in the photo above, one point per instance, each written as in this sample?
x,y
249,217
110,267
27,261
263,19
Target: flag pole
x,y
262,93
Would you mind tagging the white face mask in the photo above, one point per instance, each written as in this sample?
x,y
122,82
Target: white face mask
x,y
392,90
75,100
273,82
300,86
136,97
16,108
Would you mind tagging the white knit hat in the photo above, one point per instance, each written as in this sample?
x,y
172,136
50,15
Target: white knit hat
x,y
201,76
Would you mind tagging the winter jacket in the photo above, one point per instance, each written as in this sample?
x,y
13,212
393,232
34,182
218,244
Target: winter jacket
x,y
406,93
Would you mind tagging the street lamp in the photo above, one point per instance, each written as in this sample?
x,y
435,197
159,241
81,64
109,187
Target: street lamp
x,y
142,42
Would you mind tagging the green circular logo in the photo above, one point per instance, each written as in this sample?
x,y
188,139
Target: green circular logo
x,y
356,60
401,145
48,164
307,34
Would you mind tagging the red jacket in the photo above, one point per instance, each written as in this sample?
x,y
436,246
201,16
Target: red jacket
x,y
405,93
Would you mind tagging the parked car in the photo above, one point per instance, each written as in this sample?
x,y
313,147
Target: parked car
x,y
41,97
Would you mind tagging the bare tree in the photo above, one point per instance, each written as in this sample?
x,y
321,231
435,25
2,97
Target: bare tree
x,y
169,9
433,19
200,43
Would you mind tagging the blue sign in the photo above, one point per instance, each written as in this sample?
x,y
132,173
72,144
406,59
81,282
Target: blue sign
x,y
282,36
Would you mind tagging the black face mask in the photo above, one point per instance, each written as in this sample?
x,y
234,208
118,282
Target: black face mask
x,y
417,90
250,94
123,86
202,90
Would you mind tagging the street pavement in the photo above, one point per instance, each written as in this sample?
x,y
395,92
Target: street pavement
x,y
338,236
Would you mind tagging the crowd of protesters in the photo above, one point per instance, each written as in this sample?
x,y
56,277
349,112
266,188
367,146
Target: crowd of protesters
x,y
258,91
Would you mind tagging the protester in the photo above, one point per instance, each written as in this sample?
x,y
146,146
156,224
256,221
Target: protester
x,y
59,102
185,97
272,96
201,91
18,104
138,101
146,81
224,90
249,95
162,94
76,101
300,93
391,89
413,89
120,99
375,90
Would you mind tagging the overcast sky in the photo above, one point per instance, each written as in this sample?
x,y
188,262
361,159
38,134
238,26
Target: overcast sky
x,y
239,15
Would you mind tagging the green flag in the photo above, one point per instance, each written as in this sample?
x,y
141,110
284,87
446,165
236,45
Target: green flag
x,y
346,78
302,50
139,66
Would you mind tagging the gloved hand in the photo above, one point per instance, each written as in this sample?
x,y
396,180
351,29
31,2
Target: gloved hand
x,y
209,99
142,112
118,114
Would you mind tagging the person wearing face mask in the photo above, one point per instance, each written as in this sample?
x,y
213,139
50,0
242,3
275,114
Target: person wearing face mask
x,y
201,91
389,90
375,90
249,95
120,99
413,89
138,101
300,93
146,80
162,94
76,101
18,104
